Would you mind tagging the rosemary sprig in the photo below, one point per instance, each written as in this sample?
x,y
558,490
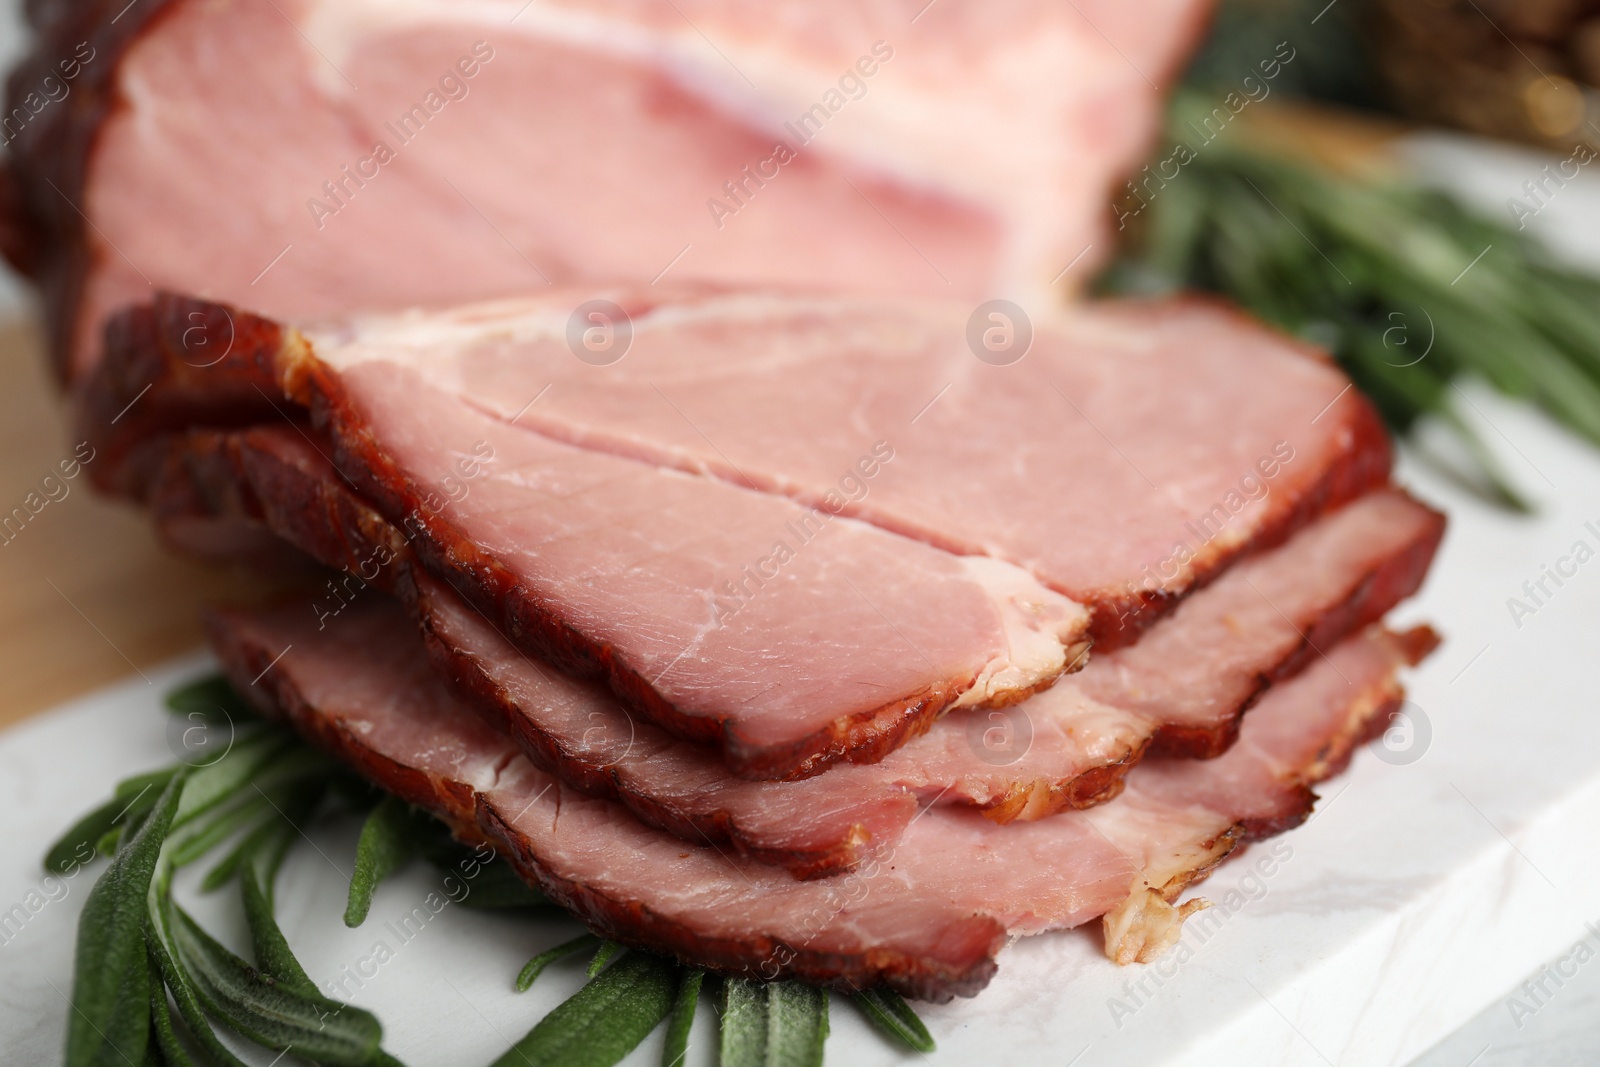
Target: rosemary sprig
x,y
603,1021
889,1012
272,1013
140,954
773,1024
608,951
110,1018
535,967
681,1021
1407,287
385,844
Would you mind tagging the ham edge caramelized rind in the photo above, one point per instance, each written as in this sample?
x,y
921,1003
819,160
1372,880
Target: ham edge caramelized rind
x,y
183,333
828,823
1036,633
918,920
170,346
162,342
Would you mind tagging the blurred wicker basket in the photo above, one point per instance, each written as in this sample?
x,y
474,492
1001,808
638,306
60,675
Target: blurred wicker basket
x,y
1521,69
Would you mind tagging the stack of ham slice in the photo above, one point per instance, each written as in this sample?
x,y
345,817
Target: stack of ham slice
x,y
648,594
843,651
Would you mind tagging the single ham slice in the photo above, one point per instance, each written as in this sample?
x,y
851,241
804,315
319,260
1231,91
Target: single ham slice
x,y
435,152
927,916
1184,686
1205,436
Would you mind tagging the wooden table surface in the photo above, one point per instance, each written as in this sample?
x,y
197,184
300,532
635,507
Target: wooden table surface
x,y
87,595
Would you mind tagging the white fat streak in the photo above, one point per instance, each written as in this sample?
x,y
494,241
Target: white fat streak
x,y
423,338
968,137
1039,625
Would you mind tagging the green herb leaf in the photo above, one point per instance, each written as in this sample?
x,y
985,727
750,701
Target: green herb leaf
x,y
1409,289
889,1012
217,782
182,989
80,844
212,696
536,966
773,1024
608,951
385,844
676,1048
110,1018
268,1012
173,1052
258,869
603,1021
216,826
224,871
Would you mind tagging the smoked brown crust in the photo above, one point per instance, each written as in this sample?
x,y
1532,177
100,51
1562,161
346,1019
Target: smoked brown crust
x,y
170,365
1368,716
1395,577
238,474
230,393
42,232
241,473
474,817
1120,618
605,780
157,344
536,626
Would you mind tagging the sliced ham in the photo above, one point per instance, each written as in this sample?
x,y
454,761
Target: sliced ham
x,y
435,152
1202,437
607,567
927,916
1062,748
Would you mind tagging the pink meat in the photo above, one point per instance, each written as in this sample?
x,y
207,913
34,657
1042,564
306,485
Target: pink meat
x,y
1200,434
433,152
1066,747
927,917
1207,437
606,566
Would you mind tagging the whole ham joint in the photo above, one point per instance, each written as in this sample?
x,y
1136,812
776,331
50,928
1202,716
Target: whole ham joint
x,y
313,157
